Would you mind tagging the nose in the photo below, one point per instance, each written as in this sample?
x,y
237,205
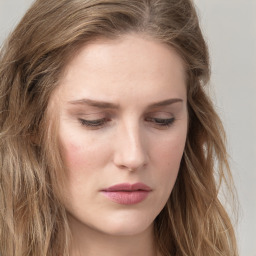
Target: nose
x,y
130,149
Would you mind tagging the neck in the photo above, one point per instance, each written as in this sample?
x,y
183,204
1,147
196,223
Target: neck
x,y
91,242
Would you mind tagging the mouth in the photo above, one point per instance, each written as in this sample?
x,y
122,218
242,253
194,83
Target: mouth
x,y
127,194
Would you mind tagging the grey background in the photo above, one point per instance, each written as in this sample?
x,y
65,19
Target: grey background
x,y
230,29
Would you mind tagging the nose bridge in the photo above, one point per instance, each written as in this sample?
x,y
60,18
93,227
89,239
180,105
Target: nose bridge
x,y
130,152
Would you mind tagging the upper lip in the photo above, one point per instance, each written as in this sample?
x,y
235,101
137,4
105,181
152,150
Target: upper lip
x,y
128,187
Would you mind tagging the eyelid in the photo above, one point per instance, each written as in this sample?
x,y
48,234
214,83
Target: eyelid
x,y
94,124
161,121
158,119
160,114
95,115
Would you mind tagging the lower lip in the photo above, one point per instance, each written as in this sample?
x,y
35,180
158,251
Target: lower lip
x,y
126,197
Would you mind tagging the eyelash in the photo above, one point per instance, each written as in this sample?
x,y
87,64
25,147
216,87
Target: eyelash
x,y
161,121
98,123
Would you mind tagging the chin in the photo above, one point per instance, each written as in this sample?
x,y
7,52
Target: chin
x,y
127,221
126,230
126,225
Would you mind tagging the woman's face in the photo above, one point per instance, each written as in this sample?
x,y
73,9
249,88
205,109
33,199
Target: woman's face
x,y
123,119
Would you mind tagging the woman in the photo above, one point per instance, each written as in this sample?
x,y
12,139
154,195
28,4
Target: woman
x,y
109,143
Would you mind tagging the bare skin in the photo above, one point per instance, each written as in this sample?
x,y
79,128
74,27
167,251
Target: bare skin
x,y
123,119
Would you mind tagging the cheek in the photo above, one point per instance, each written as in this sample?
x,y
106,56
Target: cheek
x,y
80,152
170,160
79,165
73,154
168,154
79,160
170,151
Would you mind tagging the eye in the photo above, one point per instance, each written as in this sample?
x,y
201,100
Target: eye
x,y
95,124
161,122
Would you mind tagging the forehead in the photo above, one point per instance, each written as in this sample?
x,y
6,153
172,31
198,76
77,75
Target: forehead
x,y
122,66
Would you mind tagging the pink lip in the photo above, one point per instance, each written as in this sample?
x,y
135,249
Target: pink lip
x,y
126,193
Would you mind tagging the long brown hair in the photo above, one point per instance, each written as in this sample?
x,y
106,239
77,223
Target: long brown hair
x,y
32,219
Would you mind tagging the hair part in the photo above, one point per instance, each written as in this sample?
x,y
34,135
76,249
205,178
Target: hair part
x,y
32,218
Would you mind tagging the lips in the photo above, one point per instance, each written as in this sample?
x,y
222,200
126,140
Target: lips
x,y
126,193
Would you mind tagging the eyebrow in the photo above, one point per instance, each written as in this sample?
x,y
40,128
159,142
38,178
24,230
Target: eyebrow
x,y
94,103
165,102
103,104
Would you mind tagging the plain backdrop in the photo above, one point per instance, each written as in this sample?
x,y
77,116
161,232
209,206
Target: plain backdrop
x,y
230,30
